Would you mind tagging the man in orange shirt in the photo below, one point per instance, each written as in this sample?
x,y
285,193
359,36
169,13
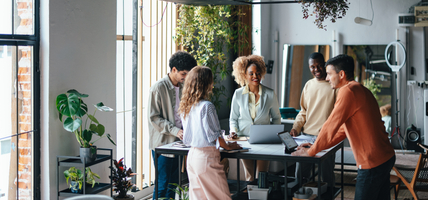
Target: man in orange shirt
x,y
356,116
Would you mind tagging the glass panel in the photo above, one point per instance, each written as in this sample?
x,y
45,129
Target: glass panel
x,y
8,123
124,100
23,17
16,122
119,18
128,16
371,70
6,17
25,123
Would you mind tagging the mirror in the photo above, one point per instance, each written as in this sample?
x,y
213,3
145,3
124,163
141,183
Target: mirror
x,y
371,69
296,71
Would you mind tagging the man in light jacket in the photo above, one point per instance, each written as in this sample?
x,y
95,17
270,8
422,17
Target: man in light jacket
x,y
164,121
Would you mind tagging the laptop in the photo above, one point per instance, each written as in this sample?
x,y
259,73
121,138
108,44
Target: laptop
x,y
265,134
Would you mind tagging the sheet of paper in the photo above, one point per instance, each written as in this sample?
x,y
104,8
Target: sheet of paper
x,y
303,138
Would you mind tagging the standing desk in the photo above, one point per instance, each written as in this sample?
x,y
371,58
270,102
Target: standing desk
x,y
271,152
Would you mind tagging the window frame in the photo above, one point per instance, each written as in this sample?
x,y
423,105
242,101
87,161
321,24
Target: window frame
x,y
34,41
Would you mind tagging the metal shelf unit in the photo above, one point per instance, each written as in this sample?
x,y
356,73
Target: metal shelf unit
x,y
75,161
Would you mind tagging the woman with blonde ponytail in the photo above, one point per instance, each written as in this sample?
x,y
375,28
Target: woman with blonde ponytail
x,y
202,132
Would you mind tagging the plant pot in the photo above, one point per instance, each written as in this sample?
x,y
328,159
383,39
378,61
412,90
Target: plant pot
x,y
74,187
128,197
88,154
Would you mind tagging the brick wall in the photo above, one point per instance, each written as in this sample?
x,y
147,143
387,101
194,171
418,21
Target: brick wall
x,y
24,180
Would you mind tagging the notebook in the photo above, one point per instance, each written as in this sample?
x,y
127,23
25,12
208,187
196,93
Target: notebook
x,y
265,134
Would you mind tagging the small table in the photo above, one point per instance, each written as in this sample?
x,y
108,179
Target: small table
x,y
271,152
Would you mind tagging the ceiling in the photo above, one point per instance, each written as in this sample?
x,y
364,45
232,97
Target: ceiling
x,y
229,2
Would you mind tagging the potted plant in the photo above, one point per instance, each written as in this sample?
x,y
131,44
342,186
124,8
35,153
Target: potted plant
x,y
76,178
121,178
80,122
90,177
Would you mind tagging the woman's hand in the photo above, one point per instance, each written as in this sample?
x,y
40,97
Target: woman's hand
x,y
233,145
232,135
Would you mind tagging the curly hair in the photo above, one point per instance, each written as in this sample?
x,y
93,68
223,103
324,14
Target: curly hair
x,y
241,64
197,86
182,60
385,110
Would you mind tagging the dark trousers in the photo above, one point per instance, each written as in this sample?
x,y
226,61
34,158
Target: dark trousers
x,y
167,173
373,184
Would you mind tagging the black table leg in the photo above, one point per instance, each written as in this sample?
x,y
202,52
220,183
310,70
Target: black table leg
x,y
285,181
341,171
319,180
179,171
238,176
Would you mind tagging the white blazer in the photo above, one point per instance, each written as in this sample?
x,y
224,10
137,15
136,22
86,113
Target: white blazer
x,y
240,117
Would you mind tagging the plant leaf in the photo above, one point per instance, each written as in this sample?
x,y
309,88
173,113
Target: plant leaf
x,y
73,91
67,105
92,118
71,125
93,127
87,135
101,130
111,140
83,109
101,107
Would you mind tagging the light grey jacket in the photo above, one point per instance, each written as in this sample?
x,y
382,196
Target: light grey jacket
x,y
161,105
240,117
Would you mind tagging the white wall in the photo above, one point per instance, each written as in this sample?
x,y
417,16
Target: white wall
x,y
78,50
288,20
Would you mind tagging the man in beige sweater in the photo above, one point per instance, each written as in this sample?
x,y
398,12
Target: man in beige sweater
x,y
316,102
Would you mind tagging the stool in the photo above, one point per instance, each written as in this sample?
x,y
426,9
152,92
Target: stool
x,y
394,182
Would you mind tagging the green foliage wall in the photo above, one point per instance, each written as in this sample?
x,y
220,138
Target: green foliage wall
x,y
209,33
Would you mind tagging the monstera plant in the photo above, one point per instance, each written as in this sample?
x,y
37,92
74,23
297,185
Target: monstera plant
x,y
73,112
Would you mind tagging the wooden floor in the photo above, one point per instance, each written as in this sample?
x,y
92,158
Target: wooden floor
x,y
349,191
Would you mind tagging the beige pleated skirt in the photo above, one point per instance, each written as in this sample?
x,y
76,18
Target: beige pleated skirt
x,y
207,179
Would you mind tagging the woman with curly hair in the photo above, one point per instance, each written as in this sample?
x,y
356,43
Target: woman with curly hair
x,y
202,132
253,103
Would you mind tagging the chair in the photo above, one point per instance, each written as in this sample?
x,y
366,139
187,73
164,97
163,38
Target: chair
x,y
90,197
394,183
415,178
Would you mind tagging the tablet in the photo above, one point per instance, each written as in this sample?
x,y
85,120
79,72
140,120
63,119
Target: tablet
x,y
288,140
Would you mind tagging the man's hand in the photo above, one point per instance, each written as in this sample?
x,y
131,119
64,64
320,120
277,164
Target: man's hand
x,y
232,135
180,134
294,133
304,146
300,152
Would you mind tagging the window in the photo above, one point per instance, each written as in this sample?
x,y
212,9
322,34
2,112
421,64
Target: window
x,y
19,119
154,31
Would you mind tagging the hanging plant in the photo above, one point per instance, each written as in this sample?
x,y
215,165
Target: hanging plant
x,y
324,9
208,33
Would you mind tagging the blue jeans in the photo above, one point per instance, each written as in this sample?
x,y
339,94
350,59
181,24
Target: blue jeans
x,y
167,173
373,184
